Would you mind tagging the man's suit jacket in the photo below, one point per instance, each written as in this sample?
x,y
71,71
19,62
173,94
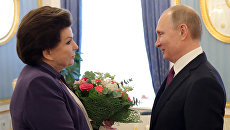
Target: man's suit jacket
x,y
41,102
194,100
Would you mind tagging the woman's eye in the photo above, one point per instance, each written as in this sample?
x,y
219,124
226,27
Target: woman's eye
x,y
68,42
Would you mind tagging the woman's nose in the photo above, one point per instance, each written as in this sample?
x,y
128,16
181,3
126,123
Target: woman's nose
x,y
75,46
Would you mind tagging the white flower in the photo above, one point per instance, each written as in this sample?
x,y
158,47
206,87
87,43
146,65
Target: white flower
x,y
112,86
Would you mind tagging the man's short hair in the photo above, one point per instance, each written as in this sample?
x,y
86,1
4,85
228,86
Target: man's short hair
x,y
182,14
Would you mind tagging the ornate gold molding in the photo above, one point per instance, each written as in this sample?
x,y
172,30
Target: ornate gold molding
x,y
228,3
39,3
228,105
6,111
4,101
14,26
177,2
209,25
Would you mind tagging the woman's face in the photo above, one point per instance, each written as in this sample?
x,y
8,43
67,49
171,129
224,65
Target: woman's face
x,y
63,54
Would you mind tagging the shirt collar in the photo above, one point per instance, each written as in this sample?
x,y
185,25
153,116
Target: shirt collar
x,y
184,60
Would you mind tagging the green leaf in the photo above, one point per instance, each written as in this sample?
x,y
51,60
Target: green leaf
x,y
105,91
116,94
125,96
72,73
89,75
84,93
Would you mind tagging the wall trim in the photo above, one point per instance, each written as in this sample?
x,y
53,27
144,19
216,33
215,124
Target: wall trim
x,y
7,101
4,106
227,104
4,101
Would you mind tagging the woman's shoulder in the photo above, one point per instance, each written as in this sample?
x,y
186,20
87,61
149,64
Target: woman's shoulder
x,y
32,72
32,76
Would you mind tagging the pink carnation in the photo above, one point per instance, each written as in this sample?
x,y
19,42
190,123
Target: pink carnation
x,y
98,89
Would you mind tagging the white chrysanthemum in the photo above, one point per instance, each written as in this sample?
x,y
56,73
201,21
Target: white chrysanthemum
x,y
112,86
93,81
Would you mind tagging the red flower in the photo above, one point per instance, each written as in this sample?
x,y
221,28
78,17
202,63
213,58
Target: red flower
x,y
98,89
129,99
85,86
98,80
85,78
114,82
122,93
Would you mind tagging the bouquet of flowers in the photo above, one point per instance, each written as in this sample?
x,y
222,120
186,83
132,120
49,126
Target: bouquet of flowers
x,y
105,99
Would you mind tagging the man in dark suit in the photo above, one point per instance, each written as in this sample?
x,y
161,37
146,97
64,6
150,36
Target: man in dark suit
x,y
195,98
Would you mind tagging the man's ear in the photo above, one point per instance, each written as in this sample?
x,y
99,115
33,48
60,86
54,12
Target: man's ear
x,y
183,30
47,54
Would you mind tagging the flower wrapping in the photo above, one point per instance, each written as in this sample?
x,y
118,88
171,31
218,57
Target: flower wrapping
x,y
105,99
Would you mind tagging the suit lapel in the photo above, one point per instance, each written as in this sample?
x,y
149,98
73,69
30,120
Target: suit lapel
x,y
163,95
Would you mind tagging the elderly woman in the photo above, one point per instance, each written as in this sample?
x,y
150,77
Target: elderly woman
x,y
41,99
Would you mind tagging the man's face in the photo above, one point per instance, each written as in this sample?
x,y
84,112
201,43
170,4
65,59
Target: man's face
x,y
167,38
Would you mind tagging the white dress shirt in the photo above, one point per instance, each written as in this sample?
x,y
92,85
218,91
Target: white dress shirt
x,y
184,60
